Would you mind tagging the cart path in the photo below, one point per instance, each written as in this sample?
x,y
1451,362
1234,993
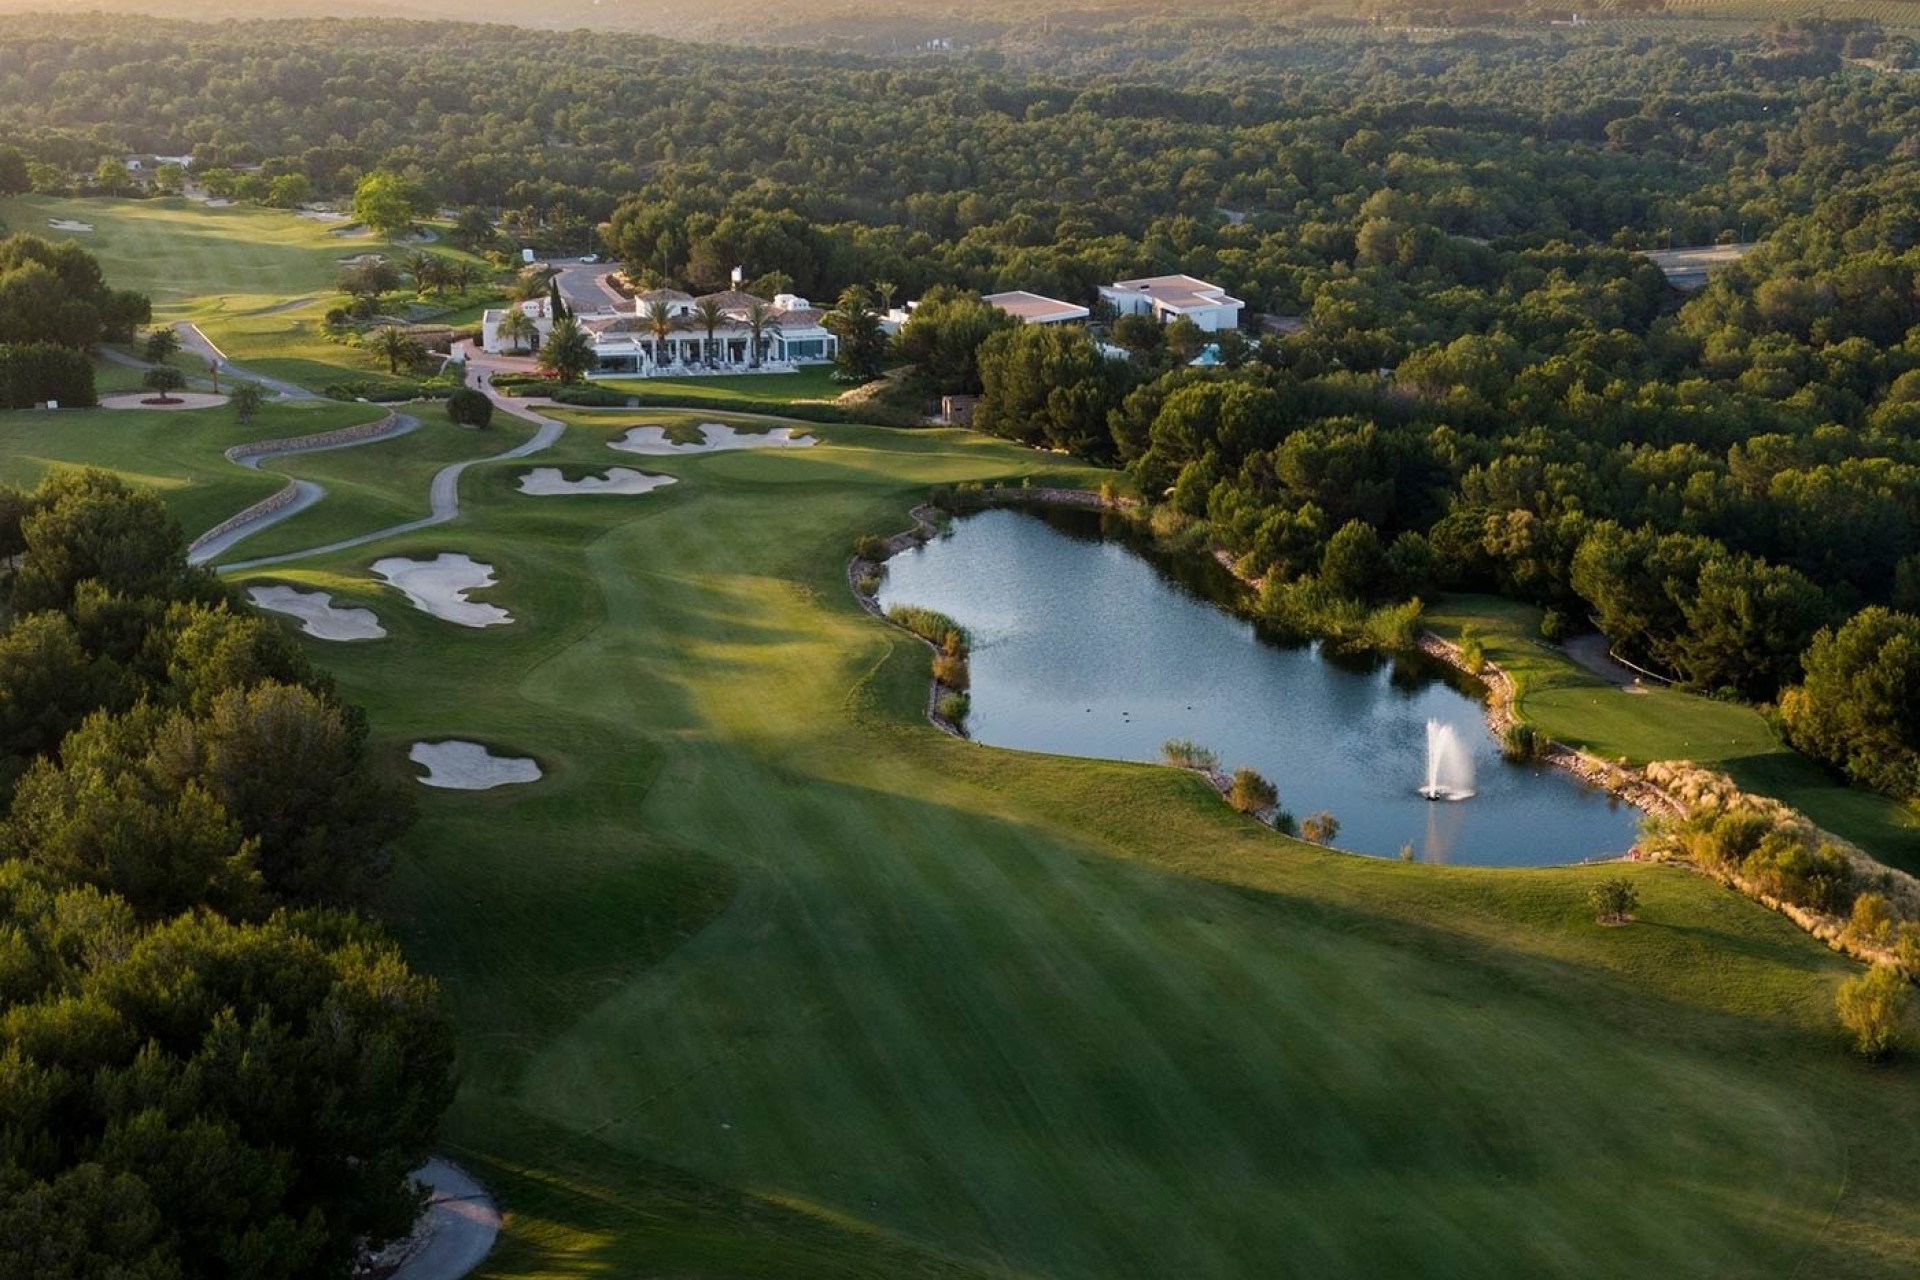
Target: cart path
x,y
443,495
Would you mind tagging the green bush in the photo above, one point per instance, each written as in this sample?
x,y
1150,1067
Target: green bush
x,y
871,547
929,624
586,397
1613,900
33,373
1251,793
1872,1007
953,707
470,408
1521,743
1184,754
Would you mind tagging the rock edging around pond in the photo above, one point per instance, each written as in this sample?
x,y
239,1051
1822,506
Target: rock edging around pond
x,y
1630,785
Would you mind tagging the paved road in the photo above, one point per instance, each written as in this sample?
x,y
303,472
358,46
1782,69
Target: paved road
x,y
463,1223
584,285
191,339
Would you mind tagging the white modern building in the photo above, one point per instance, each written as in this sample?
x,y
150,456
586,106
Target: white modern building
x,y
1168,298
1034,308
630,342
792,335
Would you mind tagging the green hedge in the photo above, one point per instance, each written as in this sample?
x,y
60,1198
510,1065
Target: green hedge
x,y
32,373
804,411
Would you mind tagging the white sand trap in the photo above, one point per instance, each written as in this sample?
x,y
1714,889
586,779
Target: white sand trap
x,y
468,766
318,615
219,202
548,482
360,259
439,586
716,439
68,224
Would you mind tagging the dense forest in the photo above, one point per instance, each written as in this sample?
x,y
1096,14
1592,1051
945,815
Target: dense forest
x,y
1474,380
210,1063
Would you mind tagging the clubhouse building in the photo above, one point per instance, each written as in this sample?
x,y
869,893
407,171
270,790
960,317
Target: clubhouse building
x,y
791,334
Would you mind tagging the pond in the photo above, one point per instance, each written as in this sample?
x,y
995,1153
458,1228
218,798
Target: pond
x,y
1086,643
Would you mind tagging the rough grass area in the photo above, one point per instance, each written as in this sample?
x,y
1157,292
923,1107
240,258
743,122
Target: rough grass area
x,y
767,977
1569,703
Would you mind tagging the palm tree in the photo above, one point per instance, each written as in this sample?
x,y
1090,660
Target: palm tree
x,y
863,343
463,275
760,322
885,289
519,328
568,354
709,314
661,323
394,343
423,267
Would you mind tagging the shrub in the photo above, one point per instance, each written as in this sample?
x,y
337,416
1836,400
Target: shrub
x,y
1554,626
1906,947
1521,743
1406,852
33,373
1473,654
1613,900
871,546
470,408
950,670
928,624
1182,754
1871,924
867,584
1321,827
1872,1007
164,379
953,707
1251,793
591,397
1793,869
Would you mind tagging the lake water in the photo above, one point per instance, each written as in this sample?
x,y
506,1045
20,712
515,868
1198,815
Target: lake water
x,y
1086,644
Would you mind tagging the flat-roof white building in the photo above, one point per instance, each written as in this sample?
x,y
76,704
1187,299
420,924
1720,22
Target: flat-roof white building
x,y
1167,298
1034,308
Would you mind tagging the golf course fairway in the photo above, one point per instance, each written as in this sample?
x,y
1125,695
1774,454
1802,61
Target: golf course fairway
x,y
765,976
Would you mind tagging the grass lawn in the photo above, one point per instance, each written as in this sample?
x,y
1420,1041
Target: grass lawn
x,y
257,281
1573,705
177,453
814,382
767,977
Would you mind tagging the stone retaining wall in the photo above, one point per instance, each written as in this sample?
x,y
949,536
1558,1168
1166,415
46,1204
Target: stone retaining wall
x,y
265,507
320,440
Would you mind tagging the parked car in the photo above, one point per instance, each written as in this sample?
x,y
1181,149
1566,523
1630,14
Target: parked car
x,y
592,257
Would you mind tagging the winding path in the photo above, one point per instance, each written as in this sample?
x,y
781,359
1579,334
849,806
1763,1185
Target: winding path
x,y
462,1222
296,497
443,497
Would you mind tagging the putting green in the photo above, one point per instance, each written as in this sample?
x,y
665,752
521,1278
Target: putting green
x,y
767,977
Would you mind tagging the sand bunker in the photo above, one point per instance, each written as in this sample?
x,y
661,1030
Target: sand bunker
x,y
439,586
468,766
361,259
68,224
317,613
548,482
715,439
